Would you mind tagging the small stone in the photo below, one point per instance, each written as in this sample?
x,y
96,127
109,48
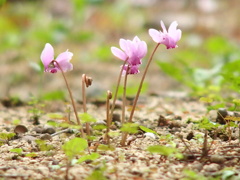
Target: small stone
x,y
221,114
20,129
217,159
150,135
211,167
46,137
49,130
38,129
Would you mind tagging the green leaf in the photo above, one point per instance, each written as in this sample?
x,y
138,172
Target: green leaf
x,y
206,99
103,147
43,146
227,174
7,136
17,150
74,146
165,151
131,128
55,116
206,124
32,155
92,157
99,127
97,174
145,129
86,118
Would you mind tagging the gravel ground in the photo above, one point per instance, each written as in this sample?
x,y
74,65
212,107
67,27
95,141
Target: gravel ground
x,y
171,115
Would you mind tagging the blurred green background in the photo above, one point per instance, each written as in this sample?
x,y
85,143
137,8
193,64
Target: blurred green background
x,y
207,58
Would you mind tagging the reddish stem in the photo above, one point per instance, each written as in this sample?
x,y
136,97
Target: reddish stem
x,y
71,97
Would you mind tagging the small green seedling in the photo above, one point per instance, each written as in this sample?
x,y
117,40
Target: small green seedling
x,y
98,174
42,146
91,157
130,128
165,151
17,150
74,147
5,137
147,130
87,118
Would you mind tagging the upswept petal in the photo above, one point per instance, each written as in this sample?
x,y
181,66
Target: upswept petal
x,y
142,49
119,53
123,44
173,27
156,35
47,55
65,56
63,59
163,27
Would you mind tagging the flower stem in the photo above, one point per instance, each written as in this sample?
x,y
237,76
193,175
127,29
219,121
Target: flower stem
x,y
124,96
109,96
141,83
116,92
84,99
71,97
124,134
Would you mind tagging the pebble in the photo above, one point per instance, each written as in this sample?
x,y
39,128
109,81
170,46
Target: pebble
x,y
150,135
211,167
217,159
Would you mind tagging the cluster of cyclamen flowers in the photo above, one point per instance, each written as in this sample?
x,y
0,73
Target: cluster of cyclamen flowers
x,y
131,52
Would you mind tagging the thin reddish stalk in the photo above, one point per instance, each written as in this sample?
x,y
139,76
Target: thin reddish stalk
x,y
71,97
84,99
116,92
141,83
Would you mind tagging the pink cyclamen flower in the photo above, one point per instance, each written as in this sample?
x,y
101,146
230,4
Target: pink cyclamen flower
x,y
168,38
132,52
63,59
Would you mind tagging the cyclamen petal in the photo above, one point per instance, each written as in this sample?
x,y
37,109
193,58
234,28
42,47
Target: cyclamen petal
x,y
118,53
47,55
168,38
63,60
132,52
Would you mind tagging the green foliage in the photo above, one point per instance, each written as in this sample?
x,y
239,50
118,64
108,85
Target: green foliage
x,y
54,95
205,123
103,147
74,147
62,124
227,174
17,150
92,157
192,175
87,118
16,121
145,129
43,146
165,151
98,174
99,127
32,155
7,136
130,128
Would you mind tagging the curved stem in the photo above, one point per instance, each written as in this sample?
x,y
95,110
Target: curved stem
x,y
141,83
124,95
116,92
71,97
